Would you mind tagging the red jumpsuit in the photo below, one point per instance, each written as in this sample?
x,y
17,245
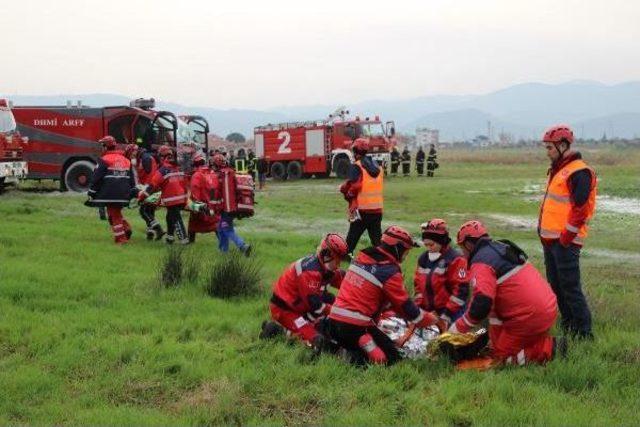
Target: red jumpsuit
x,y
300,296
442,285
519,303
173,184
205,189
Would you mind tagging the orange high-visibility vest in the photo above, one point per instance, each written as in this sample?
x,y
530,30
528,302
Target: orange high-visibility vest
x,y
370,197
556,205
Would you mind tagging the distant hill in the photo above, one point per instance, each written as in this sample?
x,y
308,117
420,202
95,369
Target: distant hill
x,y
523,110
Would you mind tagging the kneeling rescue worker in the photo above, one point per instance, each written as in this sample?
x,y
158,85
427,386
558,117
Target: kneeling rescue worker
x,y
510,291
112,185
440,280
300,296
373,282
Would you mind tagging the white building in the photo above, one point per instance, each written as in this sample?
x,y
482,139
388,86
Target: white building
x,y
427,136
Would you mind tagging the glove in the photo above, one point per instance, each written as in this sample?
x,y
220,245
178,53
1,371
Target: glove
x,y
442,324
566,238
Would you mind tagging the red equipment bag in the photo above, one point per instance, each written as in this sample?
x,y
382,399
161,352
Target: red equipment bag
x,y
237,194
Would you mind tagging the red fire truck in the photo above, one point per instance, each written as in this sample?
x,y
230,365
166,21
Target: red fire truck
x,y
12,166
302,149
63,139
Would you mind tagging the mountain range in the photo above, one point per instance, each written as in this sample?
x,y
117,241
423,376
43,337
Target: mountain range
x,y
524,110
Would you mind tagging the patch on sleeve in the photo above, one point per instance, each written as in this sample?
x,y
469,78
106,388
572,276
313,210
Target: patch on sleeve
x,y
300,322
462,273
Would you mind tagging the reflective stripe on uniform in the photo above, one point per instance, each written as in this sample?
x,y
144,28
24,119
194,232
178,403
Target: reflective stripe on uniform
x,y
419,318
455,299
174,198
495,321
365,274
467,321
370,346
510,273
172,174
439,270
521,358
558,198
423,270
298,267
572,228
350,314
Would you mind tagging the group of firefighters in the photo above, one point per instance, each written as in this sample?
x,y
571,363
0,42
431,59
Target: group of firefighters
x,y
155,179
404,160
487,281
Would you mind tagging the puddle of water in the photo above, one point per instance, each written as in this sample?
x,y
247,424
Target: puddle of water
x,y
621,205
521,222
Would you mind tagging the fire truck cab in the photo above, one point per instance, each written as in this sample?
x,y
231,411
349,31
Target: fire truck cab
x,y
12,165
63,139
301,149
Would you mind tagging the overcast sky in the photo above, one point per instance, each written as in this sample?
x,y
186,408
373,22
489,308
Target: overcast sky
x,y
257,54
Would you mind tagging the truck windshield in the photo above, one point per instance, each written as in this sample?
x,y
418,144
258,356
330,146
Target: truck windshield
x,y
372,130
7,122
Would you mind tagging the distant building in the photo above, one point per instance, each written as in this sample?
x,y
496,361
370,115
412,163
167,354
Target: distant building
x,y
427,136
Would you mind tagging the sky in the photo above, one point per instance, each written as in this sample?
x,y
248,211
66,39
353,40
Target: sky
x,y
260,54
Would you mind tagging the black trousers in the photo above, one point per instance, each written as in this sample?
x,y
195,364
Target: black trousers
x,y
420,168
563,273
431,166
175,225
372,222
347,336
148,213
394,168
406,168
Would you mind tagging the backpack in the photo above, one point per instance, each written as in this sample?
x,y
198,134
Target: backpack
x,y
237,193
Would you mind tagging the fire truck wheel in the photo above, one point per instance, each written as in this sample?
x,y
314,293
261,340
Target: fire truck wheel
x,y
78,175
341,166
294,170
278,171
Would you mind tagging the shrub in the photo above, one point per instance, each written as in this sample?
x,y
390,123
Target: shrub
x,y
171,267
232,274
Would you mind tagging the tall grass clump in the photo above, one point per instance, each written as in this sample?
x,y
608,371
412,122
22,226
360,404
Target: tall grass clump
x,y
233,275
171,268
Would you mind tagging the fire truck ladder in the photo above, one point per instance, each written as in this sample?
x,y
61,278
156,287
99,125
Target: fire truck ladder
x,y
327,143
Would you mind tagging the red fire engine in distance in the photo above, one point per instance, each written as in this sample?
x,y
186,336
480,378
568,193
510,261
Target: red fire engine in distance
x,y
301,149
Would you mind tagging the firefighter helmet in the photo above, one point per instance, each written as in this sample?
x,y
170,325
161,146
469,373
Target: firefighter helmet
x,y
198,159
471,229
360,145
557,134
108,142
334,246
435,226
130,150
218,160
165,151
396,235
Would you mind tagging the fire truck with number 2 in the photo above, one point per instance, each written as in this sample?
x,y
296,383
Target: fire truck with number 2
x,y
301,149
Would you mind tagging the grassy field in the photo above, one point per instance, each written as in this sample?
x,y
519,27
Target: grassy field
x,y
87,336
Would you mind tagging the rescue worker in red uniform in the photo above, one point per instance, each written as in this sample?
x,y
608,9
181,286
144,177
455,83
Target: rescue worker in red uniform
x,y
363,190
300,297
440,280
170,180
507,289
373,284
205,188
145,166
568,205
112,186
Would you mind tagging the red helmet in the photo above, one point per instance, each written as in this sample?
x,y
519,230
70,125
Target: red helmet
x,y
396,235
165,151
334,246
108,142
360,145
557,134
130,150
473,229
435,226
218,160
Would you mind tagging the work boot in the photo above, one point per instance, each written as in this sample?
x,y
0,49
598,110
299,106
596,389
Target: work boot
x,y
247,250
169,240
159,231
151,234
270,330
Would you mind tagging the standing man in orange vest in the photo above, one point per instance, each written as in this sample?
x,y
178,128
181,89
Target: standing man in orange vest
x,y
363,191
568,205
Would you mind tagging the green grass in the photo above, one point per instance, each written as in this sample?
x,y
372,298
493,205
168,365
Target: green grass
x,y
88,336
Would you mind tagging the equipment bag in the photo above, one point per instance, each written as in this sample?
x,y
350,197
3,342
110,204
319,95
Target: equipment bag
x,y
237,194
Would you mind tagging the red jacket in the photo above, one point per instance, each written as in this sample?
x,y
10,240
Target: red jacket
x,y
442,285
171,181
205,188
373,284
511,293
145,168
302,288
